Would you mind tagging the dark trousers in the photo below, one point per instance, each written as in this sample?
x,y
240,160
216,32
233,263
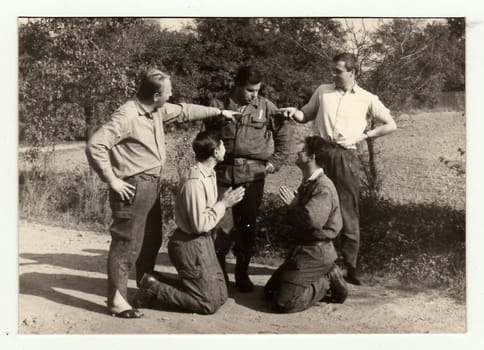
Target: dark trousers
x,y
243,217
290,296
343,169
136,233
201,285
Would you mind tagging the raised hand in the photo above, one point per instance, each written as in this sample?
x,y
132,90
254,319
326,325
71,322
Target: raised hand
x,y
230,115
292,113
270,169
232,197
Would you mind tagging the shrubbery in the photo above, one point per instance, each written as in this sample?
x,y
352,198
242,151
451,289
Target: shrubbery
x,y
419,245
77,198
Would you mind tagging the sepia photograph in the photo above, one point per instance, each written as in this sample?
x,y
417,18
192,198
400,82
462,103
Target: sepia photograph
x,y
174,168
258,175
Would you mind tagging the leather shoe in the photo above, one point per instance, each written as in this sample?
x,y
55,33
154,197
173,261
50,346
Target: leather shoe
x,y
337,286
147,281
130,313
352,276
144,297
244,284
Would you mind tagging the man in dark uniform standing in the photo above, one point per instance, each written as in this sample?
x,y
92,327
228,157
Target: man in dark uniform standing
x,y
247,161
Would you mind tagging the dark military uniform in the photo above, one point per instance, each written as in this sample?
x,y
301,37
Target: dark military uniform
x,y
247,142
302,279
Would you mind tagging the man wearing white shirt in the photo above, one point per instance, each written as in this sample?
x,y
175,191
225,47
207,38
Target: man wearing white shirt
x,y
341,112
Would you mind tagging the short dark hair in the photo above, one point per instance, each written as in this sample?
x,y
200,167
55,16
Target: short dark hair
x,y
320,148
205,143
151,81
349,59
247,75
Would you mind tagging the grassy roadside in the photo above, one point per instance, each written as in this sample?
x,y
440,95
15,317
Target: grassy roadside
x,y
413,237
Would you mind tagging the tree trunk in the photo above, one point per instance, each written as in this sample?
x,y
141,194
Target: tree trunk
x,y
373,180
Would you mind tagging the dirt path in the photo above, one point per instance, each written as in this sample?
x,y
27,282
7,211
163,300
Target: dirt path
x,y
63,283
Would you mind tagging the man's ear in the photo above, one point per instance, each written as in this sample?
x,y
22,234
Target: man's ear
x,y
156,96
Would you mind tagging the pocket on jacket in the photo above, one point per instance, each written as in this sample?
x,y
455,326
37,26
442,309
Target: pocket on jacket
x,y
258,120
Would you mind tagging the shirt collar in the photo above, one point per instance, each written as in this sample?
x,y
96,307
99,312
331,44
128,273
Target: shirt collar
x,y
355,89
142,108
231,104
317,173
205,171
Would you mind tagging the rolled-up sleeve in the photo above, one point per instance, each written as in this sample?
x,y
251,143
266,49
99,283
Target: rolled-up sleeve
x,y
310,109
378,110
98,146
202,217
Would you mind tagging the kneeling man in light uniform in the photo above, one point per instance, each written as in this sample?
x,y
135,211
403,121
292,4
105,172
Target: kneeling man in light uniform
x,y
201,286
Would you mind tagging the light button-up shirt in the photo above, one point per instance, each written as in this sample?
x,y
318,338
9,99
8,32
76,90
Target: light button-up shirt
x,y
196,207
342,117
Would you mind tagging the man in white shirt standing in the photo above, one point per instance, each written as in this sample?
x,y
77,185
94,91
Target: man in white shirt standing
x,y
341,112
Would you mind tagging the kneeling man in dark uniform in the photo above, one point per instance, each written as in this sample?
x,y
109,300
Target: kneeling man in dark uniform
x,y
309,274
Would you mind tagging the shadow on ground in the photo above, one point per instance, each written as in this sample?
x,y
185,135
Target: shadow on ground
x,y
49,285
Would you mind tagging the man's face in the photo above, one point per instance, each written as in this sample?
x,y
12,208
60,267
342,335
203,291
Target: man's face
x,y
302,157
163,96
246,93
342,77
219,152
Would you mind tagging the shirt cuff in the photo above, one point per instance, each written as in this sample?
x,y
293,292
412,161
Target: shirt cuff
x,y
108,176
197,112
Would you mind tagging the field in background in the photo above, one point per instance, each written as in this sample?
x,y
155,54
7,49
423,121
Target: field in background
x,y
415,234
409,159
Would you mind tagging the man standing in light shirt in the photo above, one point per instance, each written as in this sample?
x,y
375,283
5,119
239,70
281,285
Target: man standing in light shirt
x,y
201,287
128,153
340,112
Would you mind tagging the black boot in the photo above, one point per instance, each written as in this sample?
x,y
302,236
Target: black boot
x,y
352,276
242,281
221,261
338,289
338,286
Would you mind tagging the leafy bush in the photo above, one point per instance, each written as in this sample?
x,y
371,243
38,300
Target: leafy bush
x,y
77,197
420,245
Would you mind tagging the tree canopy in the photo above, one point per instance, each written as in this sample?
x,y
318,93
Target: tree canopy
x,y
73,72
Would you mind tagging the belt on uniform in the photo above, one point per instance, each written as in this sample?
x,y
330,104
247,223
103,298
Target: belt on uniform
x,y
242,161
335,145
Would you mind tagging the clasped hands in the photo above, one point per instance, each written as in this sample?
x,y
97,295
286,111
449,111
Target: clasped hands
x,y
286,195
